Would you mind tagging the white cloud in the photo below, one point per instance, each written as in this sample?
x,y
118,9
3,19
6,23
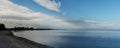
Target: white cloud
x,y
49,4
16,15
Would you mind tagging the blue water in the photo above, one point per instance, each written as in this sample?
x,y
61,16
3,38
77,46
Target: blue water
x,y
74,38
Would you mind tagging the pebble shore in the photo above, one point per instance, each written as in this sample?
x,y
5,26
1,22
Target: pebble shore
x,y
8,40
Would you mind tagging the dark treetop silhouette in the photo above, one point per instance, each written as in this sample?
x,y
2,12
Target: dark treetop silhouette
x,y
2,26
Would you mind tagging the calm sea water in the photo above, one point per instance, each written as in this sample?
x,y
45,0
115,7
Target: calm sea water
x,y
74,38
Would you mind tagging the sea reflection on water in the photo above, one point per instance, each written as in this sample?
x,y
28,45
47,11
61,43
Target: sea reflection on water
x,y
74,39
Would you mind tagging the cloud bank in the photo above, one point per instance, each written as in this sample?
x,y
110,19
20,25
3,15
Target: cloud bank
x,y
93,24
16,15
49,4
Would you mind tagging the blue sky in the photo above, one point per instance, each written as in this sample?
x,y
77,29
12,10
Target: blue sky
x,y
34,6
82,14
101,10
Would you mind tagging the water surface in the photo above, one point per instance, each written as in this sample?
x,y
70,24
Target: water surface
x,y
74,38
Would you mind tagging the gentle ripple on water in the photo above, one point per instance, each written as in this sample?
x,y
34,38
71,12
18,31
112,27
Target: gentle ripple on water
x,y
74,39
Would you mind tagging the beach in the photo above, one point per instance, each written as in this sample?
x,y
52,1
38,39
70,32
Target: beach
x,y
8,40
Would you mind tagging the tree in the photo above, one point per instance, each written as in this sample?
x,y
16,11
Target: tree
x,y
2,27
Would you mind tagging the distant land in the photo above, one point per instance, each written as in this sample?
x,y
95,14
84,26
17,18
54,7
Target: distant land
x,y
3,27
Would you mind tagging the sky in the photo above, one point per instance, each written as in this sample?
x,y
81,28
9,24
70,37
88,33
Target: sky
x,y
67,14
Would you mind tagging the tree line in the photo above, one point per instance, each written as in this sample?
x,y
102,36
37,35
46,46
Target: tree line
x,y
2,27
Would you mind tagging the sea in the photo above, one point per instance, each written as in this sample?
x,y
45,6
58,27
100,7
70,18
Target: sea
x,y
73,38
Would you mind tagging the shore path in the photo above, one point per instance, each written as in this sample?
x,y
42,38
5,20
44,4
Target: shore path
x,y
7,40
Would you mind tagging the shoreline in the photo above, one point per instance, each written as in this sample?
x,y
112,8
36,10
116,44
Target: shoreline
x,y
18,42
31,42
